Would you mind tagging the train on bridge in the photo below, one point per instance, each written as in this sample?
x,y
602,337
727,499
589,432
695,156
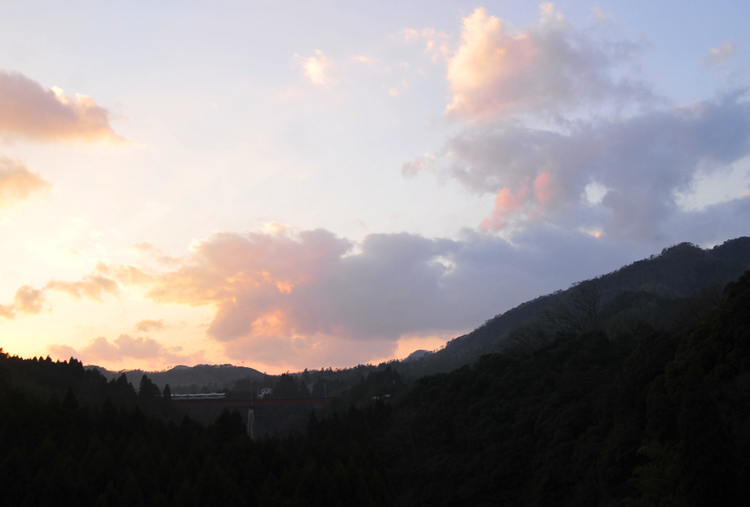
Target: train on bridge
x,y
198,396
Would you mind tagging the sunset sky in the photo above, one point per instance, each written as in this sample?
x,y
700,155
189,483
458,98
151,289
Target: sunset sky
x,y
289,185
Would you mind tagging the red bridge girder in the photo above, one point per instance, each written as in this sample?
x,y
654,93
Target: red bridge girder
x,y
252,403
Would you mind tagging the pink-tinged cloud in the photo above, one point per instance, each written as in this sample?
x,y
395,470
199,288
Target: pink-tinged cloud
x,y
311,298
139,348
544,190
487,66
301,292
125,350
29,300
527,201
507,203
17,183
497,72
92,287
148,325
7,311
29,111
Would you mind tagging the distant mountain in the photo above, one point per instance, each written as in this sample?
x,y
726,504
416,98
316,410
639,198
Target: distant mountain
x,y
417,354
199,376
683,270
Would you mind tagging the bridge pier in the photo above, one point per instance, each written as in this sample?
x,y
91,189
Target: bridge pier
x,y
251,423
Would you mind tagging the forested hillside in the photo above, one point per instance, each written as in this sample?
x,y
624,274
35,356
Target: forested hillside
x,y
93,451
644,418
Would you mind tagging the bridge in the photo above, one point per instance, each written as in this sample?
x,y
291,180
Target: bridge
x,y
190,401
213,402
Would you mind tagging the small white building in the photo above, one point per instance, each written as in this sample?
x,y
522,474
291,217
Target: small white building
x,y
266,391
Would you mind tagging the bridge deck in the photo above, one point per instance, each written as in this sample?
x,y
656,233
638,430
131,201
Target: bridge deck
x,y
250,403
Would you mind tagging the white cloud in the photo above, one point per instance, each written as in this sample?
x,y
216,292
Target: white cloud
x,y
316,68
364,59
720,55
435,42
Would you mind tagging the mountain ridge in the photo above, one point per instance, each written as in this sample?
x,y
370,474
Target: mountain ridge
x,y
200,375
680,270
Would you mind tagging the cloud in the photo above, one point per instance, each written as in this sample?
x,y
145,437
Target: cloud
x,y
601,15
138,348
289,298
29,300
146,248
365,59
721,55
559,134
274,228
435,42
147,325
316,68
409,35
7,311
124,348
99,349
18,183
712,224
29,111
500,72
91,286
640,164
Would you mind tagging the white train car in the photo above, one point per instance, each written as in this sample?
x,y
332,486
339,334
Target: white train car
x,y
198,396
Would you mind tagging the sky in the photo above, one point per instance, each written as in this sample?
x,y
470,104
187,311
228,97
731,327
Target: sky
x,y
290,185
